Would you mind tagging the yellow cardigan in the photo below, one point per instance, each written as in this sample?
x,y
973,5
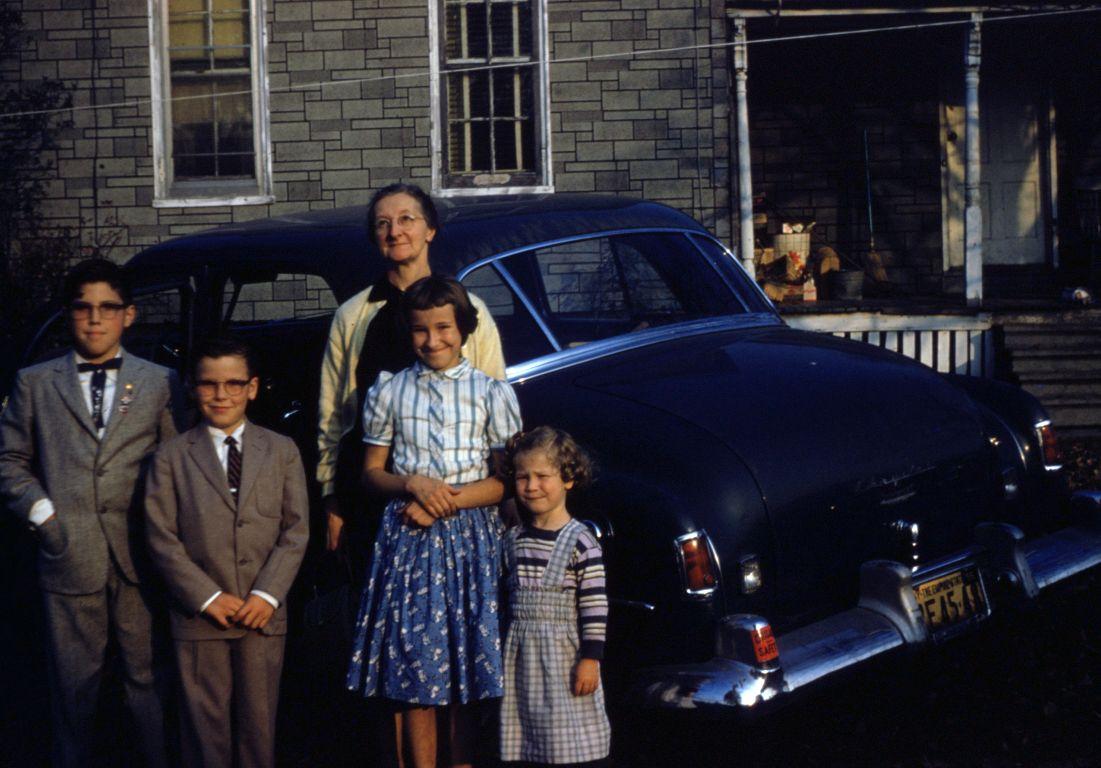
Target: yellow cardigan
x,y
337,404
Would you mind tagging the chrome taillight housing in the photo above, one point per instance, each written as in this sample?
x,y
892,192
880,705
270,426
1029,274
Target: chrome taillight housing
x,y
1050,454
698,564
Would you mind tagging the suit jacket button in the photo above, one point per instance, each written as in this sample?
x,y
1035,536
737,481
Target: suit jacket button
x,y
240,523
101,472
103,510
243,561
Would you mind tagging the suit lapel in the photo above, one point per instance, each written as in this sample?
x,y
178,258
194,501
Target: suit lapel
x,y
68,387
131,375
202,453
253,456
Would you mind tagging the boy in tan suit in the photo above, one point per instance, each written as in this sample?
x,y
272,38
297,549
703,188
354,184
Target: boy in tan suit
x,y
227,522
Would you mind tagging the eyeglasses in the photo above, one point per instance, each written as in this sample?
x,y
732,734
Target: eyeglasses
x,y
108,310
232,387
405,221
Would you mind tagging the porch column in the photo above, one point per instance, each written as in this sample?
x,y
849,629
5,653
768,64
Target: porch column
x,y
745,182
972,217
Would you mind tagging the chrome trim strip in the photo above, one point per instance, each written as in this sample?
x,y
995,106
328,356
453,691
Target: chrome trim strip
x,y
738,263
596,350
536,316
571,239
1063,554
640,604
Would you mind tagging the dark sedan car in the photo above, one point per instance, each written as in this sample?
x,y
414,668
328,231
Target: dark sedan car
x,y
776,506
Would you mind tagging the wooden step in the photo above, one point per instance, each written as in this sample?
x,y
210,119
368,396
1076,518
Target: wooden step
x,y
1078,392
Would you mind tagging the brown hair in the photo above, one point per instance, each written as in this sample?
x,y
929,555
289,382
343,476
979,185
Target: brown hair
x,y
436,291
561,449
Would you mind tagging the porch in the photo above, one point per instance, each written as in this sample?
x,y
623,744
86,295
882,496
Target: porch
x,y
946,150
1046,347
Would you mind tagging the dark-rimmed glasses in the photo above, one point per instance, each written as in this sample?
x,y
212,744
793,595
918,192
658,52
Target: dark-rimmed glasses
x,y
108,310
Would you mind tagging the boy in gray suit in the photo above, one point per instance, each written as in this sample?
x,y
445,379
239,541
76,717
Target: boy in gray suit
x,y
228,522
73,441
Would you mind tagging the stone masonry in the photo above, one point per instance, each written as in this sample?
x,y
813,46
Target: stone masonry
x,y
653,126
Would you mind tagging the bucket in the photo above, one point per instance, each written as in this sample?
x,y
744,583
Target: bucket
x,y
847,285
796,247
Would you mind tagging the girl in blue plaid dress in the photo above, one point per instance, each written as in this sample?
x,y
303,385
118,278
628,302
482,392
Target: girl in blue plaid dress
x,y
553,712
427,634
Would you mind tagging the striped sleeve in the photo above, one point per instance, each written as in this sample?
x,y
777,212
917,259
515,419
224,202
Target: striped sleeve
x,y
592,595
378,411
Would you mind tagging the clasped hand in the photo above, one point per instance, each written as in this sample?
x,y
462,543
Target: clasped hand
x,y
252,613
435,497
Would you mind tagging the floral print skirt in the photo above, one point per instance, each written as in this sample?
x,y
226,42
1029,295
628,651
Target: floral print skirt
x,y
428,631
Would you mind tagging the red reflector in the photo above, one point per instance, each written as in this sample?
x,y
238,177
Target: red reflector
x,y
699,571
764,645
1049,445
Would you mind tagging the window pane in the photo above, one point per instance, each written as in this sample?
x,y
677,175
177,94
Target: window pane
x,y
470,99
512,92
465,31
521,337
603,287
287,297
468,95
212,135
511,30
234,109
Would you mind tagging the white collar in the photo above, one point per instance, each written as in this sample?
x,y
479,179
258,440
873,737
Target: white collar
x,y
219,435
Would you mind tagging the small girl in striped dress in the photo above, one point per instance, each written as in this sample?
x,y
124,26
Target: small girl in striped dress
x,y
553,712
427,638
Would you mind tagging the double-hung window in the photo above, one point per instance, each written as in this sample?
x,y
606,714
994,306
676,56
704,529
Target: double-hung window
x,y
210,137
490,126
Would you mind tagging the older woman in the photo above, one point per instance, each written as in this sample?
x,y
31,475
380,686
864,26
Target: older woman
x,y
366,338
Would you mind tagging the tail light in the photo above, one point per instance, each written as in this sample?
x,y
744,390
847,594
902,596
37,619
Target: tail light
x,y
698,566
1049,446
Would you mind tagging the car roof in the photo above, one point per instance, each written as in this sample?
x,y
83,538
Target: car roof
x,y
335,244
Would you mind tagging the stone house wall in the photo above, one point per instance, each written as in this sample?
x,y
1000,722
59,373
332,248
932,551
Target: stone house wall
x,y
651,125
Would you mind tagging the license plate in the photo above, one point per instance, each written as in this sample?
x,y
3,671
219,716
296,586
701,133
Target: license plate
x,y
952,599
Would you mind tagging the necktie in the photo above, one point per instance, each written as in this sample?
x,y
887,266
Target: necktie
x,y
99,383
233,466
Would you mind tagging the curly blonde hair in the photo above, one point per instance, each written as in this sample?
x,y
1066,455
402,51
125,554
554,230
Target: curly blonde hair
x,y
560,448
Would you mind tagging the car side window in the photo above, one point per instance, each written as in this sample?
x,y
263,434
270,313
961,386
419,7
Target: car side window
x,y
521,337
602,287
266,297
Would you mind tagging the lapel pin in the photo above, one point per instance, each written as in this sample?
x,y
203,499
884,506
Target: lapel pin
x,y
127,397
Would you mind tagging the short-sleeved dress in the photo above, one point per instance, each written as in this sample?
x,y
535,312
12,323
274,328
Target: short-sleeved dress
x,y
428,625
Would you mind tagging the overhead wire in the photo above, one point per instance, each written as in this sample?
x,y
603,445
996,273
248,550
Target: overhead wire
x,y
633,53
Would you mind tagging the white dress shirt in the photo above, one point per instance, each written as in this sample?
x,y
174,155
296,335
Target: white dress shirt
x,y
222,450
43,509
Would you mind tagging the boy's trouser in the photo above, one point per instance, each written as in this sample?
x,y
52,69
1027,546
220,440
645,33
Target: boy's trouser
x,y
78,628
230,700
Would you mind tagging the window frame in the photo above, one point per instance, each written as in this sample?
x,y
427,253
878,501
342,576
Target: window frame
x,y
167,192
542,111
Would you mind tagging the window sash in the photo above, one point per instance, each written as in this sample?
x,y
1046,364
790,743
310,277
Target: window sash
x,y
210,103
491,121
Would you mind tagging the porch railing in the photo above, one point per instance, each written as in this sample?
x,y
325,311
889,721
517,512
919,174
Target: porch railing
x,y
948,343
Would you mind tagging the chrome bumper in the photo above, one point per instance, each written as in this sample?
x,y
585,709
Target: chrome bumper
x,y
887,618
